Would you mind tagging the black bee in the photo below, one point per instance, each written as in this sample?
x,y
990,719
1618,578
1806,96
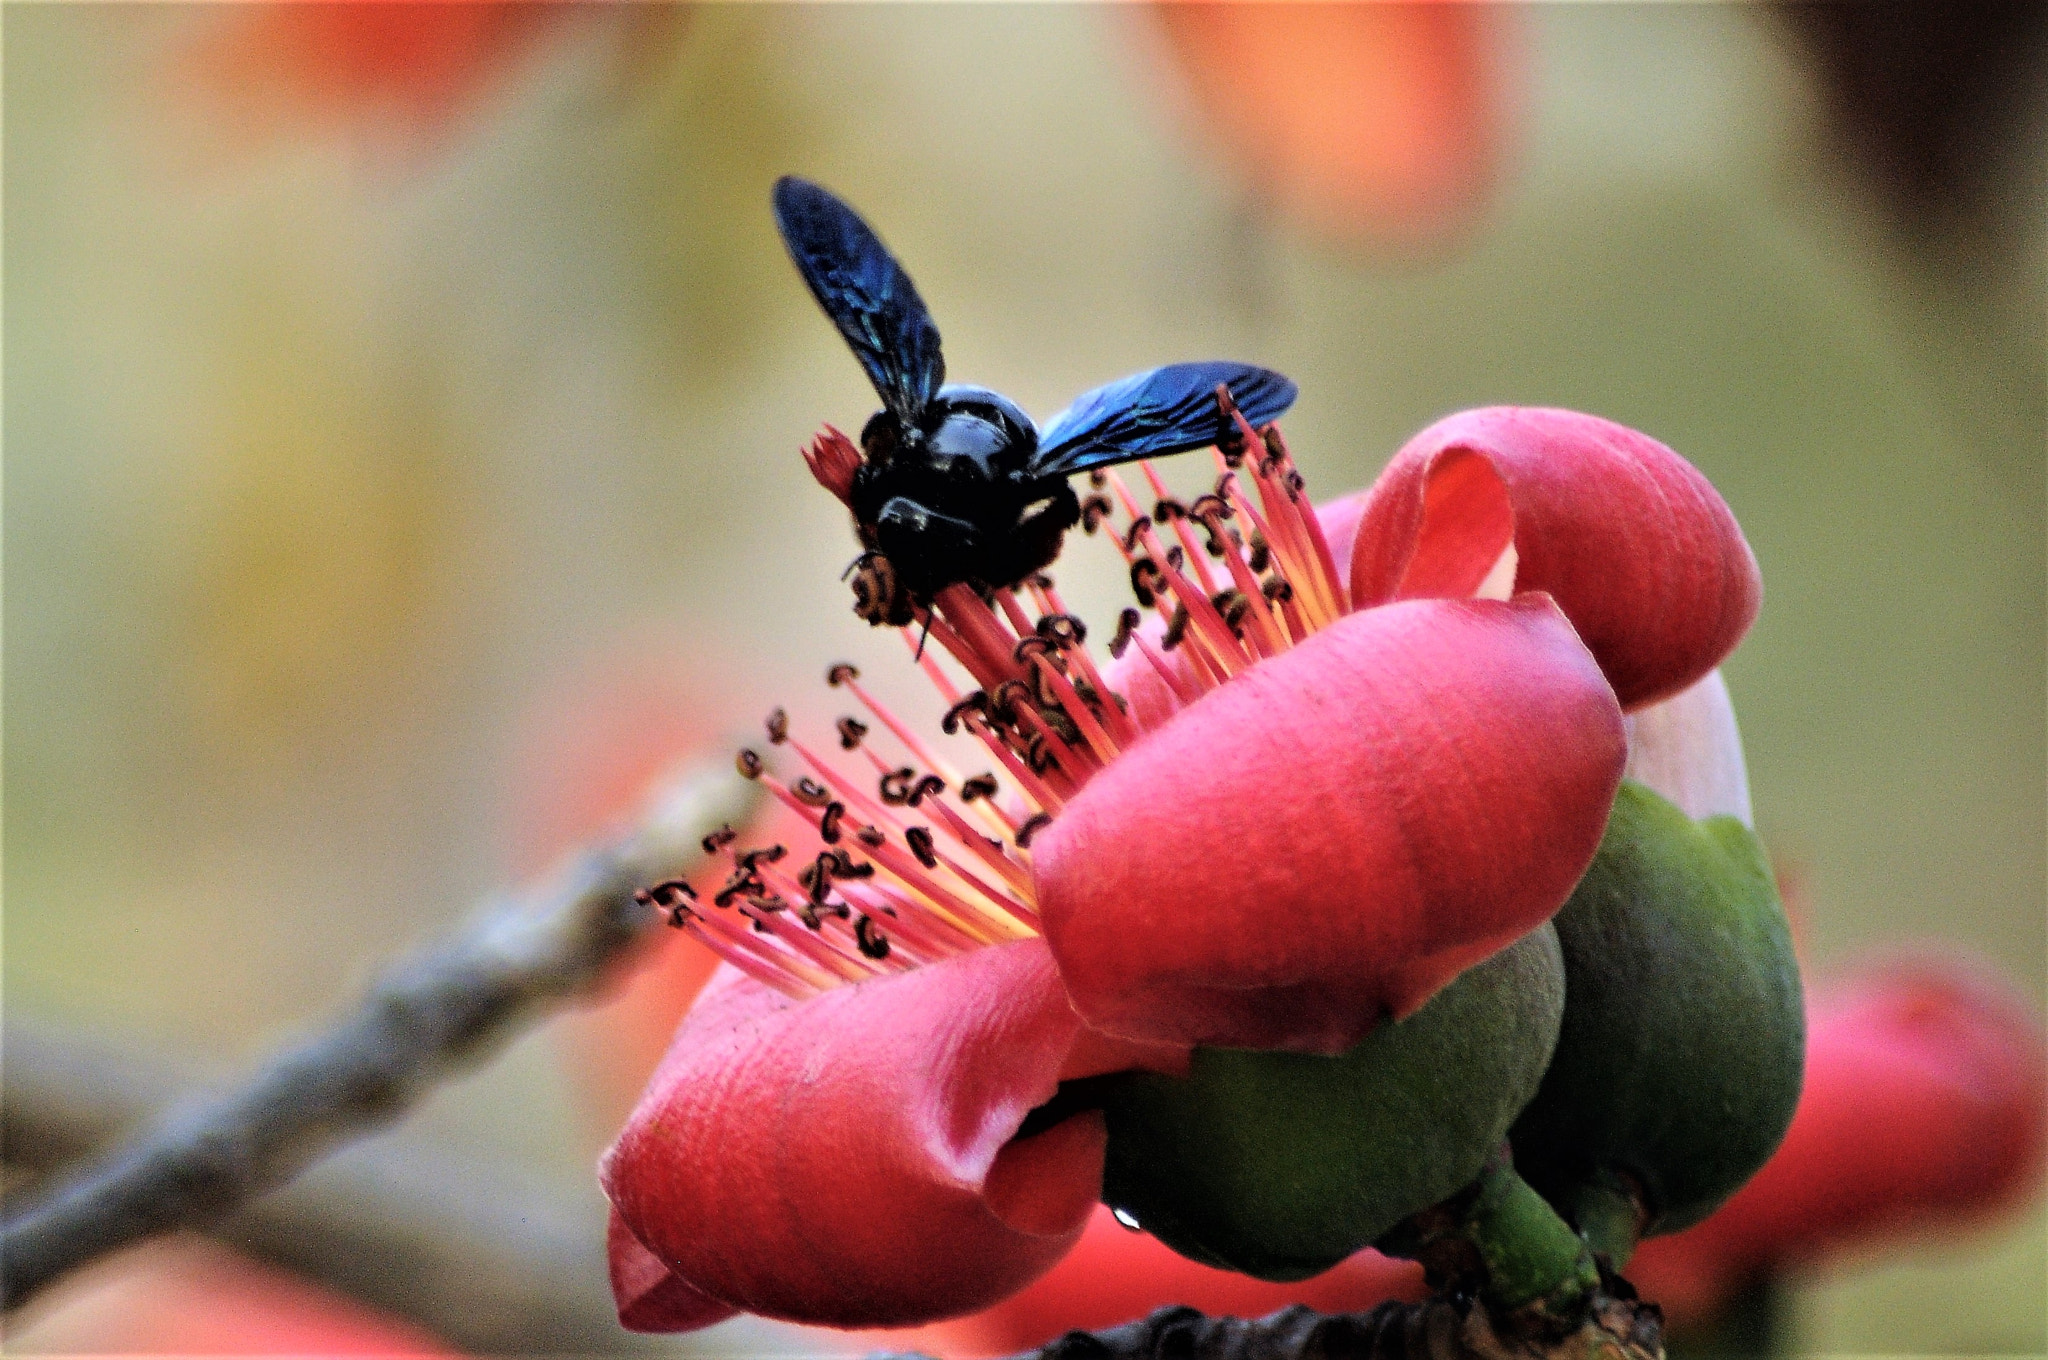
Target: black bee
x,y
955,482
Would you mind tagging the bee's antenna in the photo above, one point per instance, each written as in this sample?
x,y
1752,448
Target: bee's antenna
x,y
925,636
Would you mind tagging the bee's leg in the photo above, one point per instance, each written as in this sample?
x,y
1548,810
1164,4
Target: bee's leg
x,y
1035,541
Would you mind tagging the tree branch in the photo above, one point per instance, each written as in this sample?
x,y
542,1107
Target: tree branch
x,y
435,1013
1440,1329
488,1263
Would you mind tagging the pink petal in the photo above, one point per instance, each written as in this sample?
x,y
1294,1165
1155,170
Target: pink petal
x,y
651,1298
1688,749
849,1160
1637,547
1338,832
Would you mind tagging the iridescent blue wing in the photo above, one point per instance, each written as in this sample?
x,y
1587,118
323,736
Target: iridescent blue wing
x,y
1166,410
865,292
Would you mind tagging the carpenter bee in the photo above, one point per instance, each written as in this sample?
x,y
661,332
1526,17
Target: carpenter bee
x,y
955,483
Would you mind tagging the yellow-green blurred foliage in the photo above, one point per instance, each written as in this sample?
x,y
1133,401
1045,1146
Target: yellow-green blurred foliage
x,y
324,454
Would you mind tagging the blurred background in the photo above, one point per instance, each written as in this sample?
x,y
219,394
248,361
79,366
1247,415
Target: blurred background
x,y
402,414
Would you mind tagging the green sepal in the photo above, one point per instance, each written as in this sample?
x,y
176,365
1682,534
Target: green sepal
x,y
1280,1165
1679,1062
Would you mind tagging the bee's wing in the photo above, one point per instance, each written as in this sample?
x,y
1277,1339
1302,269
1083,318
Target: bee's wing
x,y
865,292
1165,410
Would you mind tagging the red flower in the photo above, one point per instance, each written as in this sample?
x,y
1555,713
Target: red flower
x,y
1923,1110
192,1297
1369,122
1331,792
401,75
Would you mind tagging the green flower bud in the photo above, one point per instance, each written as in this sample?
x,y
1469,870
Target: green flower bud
x,y
1282,1164
1679,1063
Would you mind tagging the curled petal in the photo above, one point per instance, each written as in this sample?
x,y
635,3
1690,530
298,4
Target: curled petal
x,y
1336,833
1689,750
1923,1109
851,1159
1635,545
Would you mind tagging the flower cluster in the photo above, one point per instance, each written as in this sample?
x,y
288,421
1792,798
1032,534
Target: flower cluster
x,y
1334,758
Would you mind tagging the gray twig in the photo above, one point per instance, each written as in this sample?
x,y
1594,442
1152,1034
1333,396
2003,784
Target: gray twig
x,y
489,1263
435,1013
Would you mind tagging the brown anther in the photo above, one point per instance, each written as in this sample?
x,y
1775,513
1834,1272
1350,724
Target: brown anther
x,y
778,727
1007,694
1168,509
1032,826
1136,532
1063,630
978,786
871,836
810,792
1176,629
1063,726
1042,688
673,896
828,825
1145,581
1126,626
976,702
840,673
1233,606
749,765
897,784
919,839
1229,434
851,730
873,943
928,787
1039,579
846,866
1037,754
767,854
1094,510
1261,555
1209,507
767,902
816,878
719,839
878,596
1097,477
1277,589
1175,557
745,879
1028,647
